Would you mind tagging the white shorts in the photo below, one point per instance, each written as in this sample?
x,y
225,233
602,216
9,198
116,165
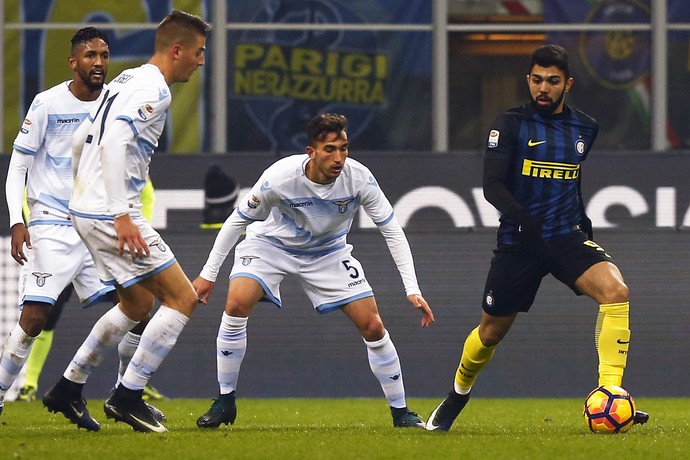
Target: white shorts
x,y
59,257
101,239
330,281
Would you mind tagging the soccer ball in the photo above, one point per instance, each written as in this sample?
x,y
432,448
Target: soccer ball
x,y
609,409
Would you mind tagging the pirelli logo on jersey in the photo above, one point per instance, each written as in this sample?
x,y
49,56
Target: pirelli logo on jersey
x,y
550,170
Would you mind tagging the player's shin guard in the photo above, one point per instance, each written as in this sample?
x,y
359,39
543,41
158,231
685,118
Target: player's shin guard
x,y
125,350
612,339
474,357
106,333
385,364
37,358
16,351
158,339
231,345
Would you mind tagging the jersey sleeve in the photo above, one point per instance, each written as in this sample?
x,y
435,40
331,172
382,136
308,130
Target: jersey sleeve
x,y
257,204
500,149
502,137
374,201
15,185
112,151
379,209
227,237
131,114
143,107
32,132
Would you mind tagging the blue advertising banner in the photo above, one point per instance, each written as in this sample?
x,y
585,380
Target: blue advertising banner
x,y
279,79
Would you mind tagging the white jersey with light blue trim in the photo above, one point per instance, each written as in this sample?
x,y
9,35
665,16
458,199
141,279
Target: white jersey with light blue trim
x,y
303,217
138,97
46,134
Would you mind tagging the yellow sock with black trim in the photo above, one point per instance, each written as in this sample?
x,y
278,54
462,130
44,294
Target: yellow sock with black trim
x,y
474,357
612,340
37,358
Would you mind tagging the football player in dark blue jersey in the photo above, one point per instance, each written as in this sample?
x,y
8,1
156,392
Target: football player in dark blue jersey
x,y
532,176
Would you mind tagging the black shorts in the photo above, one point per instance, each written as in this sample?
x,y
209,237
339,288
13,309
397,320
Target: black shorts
x,y
516,271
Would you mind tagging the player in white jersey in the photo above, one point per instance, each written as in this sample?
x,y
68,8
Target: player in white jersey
x,y
297,217
50,251
57,256
111,154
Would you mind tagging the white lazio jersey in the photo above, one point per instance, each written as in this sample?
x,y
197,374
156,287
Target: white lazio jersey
x,y
140,98
46,134
303,217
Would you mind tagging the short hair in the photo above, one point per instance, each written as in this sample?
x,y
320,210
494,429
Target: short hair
x,y
319,127
179,27
85,35
551,55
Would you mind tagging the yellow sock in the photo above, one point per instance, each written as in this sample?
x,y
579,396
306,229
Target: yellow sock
x,y
474,357
37,358
612,339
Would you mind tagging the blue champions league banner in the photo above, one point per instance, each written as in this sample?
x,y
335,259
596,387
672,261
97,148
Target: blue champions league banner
x,y
279,79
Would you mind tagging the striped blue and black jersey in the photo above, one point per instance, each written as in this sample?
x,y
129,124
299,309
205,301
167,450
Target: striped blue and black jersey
x,y
545,154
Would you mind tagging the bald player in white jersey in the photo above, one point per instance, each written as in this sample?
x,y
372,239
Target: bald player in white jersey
x,y
297,217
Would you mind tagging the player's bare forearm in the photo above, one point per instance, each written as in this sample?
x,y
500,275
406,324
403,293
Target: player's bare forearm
x,y
420,304
129,237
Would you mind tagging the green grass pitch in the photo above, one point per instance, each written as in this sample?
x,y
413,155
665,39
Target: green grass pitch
x,y
488,429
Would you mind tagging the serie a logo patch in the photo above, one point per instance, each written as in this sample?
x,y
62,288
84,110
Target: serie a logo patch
x,y
493,138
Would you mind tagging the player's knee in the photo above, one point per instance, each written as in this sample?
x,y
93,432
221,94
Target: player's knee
x,y
616,293
372,330
238,307
34,317
491,335
491,339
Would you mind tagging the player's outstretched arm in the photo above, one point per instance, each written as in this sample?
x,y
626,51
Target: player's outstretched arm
x,y
420,304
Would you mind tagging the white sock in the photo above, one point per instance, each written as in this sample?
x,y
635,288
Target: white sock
x,y
125,350
385,364
106,333
17,348
231,344
159,337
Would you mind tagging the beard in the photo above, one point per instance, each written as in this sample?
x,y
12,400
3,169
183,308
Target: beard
x,y
93,86
548,109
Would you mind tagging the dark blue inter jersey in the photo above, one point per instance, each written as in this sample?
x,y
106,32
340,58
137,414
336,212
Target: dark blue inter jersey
x,y
545,154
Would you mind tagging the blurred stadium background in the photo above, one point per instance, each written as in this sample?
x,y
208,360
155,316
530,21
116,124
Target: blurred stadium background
x,y
420,81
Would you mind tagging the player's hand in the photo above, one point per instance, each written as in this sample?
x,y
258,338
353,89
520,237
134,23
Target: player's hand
x,y
419,303
20,236
203,288
586,226
129,237
530,231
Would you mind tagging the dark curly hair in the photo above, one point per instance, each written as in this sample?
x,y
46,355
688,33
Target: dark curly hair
x,y
86,35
